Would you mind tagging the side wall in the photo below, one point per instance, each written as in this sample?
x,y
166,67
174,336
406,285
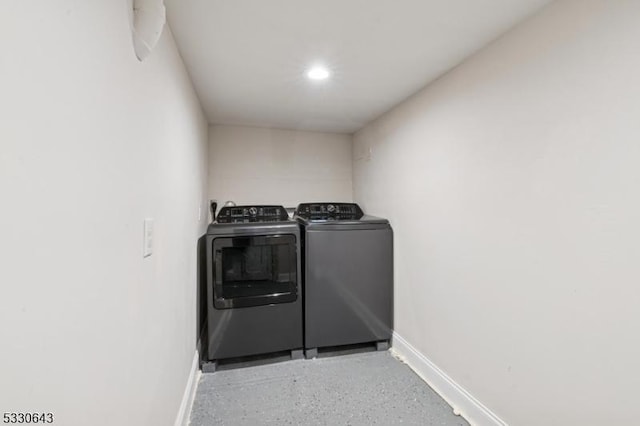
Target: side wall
x,y
512,185
91,142
272,166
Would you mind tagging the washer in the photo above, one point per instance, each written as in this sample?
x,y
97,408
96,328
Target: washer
x,y
253,293
348,276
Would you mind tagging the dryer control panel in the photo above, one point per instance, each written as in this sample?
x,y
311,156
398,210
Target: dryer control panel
x,y
250,214
329,211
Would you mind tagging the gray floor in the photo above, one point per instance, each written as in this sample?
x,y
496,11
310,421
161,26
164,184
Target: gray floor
x,y
358,389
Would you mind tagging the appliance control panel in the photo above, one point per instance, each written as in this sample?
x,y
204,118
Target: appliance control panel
x,y
247,214
329,211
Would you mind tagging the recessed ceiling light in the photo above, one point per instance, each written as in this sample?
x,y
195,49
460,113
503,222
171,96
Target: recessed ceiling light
x,y
318,73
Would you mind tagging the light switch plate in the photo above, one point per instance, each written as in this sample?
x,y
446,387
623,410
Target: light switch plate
x,y
147,248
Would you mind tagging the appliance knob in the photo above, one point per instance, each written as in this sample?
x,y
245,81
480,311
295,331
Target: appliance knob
x,y
331,208
253,211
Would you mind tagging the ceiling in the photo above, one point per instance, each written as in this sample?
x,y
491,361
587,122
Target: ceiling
x,y
248,58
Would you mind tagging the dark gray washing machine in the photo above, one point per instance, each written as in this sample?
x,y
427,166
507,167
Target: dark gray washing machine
x,y
347,276
253,293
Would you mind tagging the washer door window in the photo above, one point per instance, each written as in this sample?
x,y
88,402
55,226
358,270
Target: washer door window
x,y
254,270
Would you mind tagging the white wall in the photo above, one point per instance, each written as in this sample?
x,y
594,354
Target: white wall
x,y
272,166
91,142
512,185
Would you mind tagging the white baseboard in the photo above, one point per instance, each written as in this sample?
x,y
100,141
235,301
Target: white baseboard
x,y
463,402
182,419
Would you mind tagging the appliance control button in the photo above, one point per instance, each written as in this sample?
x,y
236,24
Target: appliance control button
x,y
253,211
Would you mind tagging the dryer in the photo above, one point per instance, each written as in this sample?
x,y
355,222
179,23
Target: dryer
x,y
253,293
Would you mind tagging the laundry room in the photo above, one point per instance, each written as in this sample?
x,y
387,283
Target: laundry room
x,y
342,212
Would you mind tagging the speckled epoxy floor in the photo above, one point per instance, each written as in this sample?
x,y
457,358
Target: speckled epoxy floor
x,y
360,389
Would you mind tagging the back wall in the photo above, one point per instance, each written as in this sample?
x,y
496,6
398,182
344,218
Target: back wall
x,y
274,166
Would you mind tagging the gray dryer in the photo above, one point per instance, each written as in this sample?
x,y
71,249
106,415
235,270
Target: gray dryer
x,y
253,293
